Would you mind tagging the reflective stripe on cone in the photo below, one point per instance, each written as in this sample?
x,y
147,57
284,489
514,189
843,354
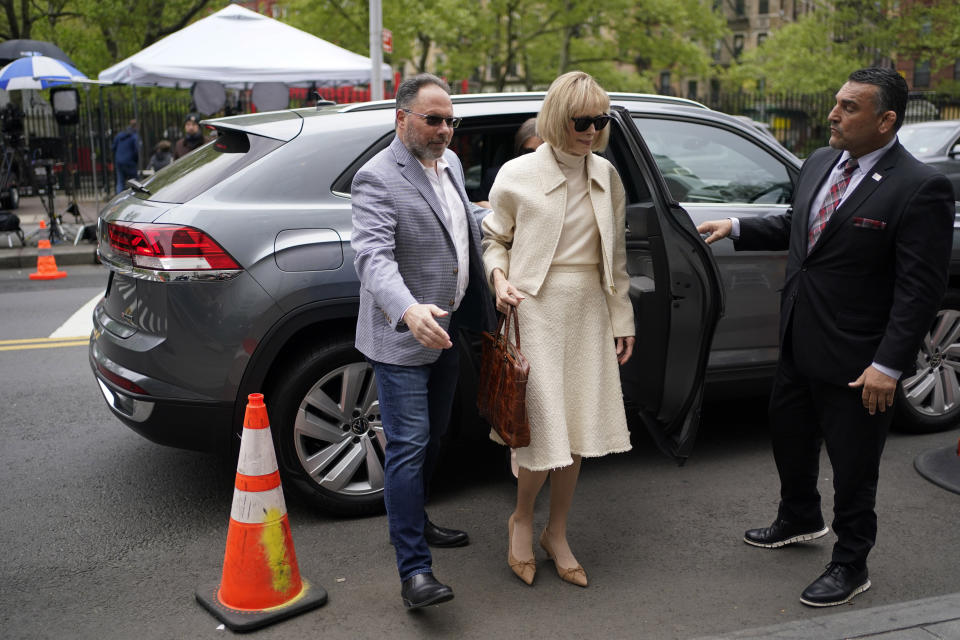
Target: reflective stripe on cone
x,y
46,263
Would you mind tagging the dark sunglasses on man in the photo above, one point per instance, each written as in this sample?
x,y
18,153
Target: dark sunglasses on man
x,y
435,121
583,123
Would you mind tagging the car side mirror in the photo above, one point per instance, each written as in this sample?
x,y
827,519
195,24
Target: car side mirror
x,y
954,152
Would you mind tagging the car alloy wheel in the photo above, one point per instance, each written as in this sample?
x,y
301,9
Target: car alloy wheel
x,y
932,394
338,433
326,420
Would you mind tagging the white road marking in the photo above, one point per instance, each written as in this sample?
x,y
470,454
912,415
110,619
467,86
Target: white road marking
x,y
80,323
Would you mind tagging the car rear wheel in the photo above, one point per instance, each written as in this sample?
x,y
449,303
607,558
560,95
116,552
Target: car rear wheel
x,y
929,401
329,434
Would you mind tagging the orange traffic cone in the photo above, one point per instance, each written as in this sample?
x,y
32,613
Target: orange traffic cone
x,y
261,582
43,223
46,263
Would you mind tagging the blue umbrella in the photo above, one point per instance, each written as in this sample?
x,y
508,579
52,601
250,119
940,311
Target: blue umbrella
x,y
38,72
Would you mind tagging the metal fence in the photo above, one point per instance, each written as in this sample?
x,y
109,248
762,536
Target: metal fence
x,y
799,121
82,151
84,163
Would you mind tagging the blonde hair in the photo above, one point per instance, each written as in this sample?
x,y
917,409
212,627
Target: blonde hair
x,y
573,94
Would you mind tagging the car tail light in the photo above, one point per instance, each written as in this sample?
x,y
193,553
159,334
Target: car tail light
x,y
168,247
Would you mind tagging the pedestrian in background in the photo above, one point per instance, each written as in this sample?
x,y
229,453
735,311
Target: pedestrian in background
x,y
421,279
869,239
554,247
126,155
162,156
192,138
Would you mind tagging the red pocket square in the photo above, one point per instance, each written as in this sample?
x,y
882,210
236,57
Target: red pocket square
x,y
868,223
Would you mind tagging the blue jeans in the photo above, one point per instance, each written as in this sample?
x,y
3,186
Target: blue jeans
x,y
124,172
415,405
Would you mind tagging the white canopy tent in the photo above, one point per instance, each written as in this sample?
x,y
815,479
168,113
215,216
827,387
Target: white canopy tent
x,y
240,48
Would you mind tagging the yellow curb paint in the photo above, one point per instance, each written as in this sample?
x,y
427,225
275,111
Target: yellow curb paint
x,y
275,547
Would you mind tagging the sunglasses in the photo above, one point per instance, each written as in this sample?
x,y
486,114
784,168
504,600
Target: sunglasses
x,y
435,121
583,122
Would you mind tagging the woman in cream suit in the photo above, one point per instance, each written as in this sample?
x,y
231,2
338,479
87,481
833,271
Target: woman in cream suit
x,y
554,248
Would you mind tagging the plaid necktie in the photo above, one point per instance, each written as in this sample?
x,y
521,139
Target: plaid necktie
x,y
830,203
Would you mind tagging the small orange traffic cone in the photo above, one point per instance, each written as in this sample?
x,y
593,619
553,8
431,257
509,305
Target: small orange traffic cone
x,y
261,582
46,263
43,223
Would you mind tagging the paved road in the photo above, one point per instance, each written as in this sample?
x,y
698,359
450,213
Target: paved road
x,y
106,535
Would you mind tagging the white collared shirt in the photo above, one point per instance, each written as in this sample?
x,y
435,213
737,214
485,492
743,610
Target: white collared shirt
x,y
456,217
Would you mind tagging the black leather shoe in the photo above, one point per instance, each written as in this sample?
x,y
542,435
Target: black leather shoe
x,y
423,590
441,537
782,533
838,584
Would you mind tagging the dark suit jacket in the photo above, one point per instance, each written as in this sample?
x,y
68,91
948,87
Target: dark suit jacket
x,y
873,282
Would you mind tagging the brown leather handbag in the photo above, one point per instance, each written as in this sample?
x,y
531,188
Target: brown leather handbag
x,y
502,392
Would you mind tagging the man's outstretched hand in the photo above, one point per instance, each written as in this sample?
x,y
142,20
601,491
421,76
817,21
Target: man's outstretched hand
x,y
420,319
718,229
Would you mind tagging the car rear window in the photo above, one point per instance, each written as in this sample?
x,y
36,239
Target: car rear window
x,y
208,165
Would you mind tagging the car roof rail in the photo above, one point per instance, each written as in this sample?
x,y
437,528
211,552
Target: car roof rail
x,y
473,98
656,97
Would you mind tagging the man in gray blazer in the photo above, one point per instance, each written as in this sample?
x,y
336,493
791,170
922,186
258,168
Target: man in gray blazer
x,y
421,279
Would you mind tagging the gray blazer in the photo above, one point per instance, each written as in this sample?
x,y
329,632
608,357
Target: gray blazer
x,y
404,254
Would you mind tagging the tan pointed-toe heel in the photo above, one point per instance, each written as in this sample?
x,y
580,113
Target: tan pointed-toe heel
x,y
525,569
576,575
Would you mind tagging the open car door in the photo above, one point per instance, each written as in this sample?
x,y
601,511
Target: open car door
x,y
677,297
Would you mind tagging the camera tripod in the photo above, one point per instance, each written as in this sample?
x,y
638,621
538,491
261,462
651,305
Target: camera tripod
x,y
43,176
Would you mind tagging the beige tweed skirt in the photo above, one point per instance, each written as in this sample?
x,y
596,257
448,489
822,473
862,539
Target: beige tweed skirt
x,y
574,402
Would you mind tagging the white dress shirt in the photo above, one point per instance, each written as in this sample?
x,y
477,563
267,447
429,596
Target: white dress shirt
x,y
456,217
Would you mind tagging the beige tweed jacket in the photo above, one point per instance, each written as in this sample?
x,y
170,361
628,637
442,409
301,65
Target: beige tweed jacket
x,y
529,199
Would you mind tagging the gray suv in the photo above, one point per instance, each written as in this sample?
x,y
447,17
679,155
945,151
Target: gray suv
x,y
231,272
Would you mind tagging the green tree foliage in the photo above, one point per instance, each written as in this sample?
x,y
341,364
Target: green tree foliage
x,y
98,33
497,44
420,28
818,51
931,32
502,43
21,19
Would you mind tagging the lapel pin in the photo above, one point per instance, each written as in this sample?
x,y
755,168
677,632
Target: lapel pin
x,y
877,177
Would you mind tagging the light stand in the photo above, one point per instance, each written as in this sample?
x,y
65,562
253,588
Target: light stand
x,y
66,109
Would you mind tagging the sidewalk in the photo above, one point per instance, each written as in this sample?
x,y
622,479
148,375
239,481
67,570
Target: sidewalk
x,y
927,619
30,213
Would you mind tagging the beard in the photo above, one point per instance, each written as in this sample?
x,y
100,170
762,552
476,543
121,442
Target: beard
x,y
423,150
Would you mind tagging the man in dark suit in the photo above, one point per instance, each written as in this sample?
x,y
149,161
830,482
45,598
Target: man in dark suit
x,y
869,240
421,274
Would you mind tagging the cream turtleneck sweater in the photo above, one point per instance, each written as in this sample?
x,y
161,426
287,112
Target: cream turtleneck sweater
x,y
579,242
